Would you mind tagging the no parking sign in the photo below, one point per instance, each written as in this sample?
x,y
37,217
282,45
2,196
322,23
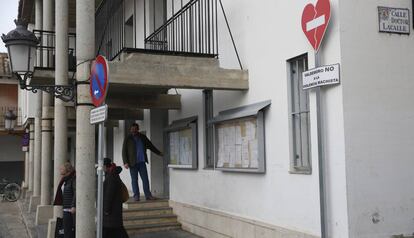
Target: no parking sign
x,y
99,80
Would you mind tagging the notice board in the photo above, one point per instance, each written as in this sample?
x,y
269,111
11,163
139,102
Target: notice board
x,y
181,143
181,147
237,144
239,137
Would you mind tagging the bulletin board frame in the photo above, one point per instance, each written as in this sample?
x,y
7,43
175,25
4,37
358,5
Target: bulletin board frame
x,y
234,116
180,126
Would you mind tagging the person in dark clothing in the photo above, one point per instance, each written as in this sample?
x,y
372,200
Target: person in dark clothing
x,y
66,197
134,156
113,225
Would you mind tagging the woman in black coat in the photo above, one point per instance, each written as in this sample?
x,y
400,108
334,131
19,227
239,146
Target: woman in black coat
x,y
66,197
113,226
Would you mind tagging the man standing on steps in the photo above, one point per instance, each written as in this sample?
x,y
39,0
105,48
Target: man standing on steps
x,y
134,156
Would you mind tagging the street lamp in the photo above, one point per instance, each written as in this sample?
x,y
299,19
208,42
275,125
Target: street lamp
x,y
21,45
9,120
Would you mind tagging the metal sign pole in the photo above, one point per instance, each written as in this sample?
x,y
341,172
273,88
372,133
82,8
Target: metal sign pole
x,y
321,155
98,90
100,182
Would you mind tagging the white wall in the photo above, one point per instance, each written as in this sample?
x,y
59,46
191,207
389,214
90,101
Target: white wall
x,y
367,123
27,104
267,34
378,85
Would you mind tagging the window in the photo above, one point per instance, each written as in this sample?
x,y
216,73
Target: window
x,y
299,117
209,139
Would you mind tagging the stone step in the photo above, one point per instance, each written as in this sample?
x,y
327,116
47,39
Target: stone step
x,y
135,229
146,204
146,220
147,211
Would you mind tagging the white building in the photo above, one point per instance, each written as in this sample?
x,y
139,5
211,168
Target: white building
x,y
257,175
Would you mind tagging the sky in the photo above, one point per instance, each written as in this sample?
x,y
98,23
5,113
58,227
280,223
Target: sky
x,y
8,12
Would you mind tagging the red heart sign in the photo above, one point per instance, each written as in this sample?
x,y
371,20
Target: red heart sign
x,y
315,20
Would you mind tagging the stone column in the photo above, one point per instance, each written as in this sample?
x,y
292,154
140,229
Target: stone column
x,y
47,117
45,211
26,165
47,132
26,169
25,185
158,176
61,78
31,157
35,199
85,132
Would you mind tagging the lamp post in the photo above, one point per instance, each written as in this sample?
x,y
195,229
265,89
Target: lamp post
x,y
9,120
21,45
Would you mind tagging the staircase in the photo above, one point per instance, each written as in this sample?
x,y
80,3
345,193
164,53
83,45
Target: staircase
x,y
149,216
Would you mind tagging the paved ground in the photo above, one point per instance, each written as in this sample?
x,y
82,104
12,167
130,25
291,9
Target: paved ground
x,y
29,220
17,222
11,221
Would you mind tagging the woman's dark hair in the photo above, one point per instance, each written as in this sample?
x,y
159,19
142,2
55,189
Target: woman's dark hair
x,y
107,162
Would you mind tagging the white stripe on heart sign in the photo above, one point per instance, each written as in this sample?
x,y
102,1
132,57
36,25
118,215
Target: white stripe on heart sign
x,y
317,22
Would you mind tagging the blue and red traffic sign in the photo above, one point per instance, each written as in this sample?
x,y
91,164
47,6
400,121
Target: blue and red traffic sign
x,y
99,80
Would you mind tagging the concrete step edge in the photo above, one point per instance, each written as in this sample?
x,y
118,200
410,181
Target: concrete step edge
x,y
146,209
146,226
149,217
145,205
144,201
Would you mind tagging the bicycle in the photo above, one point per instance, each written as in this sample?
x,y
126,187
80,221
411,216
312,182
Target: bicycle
x,y
9,191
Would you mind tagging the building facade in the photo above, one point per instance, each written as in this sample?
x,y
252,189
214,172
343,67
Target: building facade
x,y
218,86
11,155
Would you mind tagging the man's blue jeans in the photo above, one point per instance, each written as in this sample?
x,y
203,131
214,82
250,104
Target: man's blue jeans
x,y
140,168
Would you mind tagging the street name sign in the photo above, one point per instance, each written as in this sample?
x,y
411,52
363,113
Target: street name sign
x,y
394,20
321,76
315,20
99,114
99,80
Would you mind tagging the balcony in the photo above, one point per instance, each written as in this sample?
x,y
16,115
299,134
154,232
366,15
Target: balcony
x,y
45,55
191,29
180,52
44,73
18,127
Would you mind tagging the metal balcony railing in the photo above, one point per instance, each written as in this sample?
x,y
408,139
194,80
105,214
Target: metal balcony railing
x,y
193,29
15,110
45,54
5,65
186,29
109,28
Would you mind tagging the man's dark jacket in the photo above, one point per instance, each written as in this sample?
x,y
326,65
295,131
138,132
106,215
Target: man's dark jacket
x,y
129,149
112,199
